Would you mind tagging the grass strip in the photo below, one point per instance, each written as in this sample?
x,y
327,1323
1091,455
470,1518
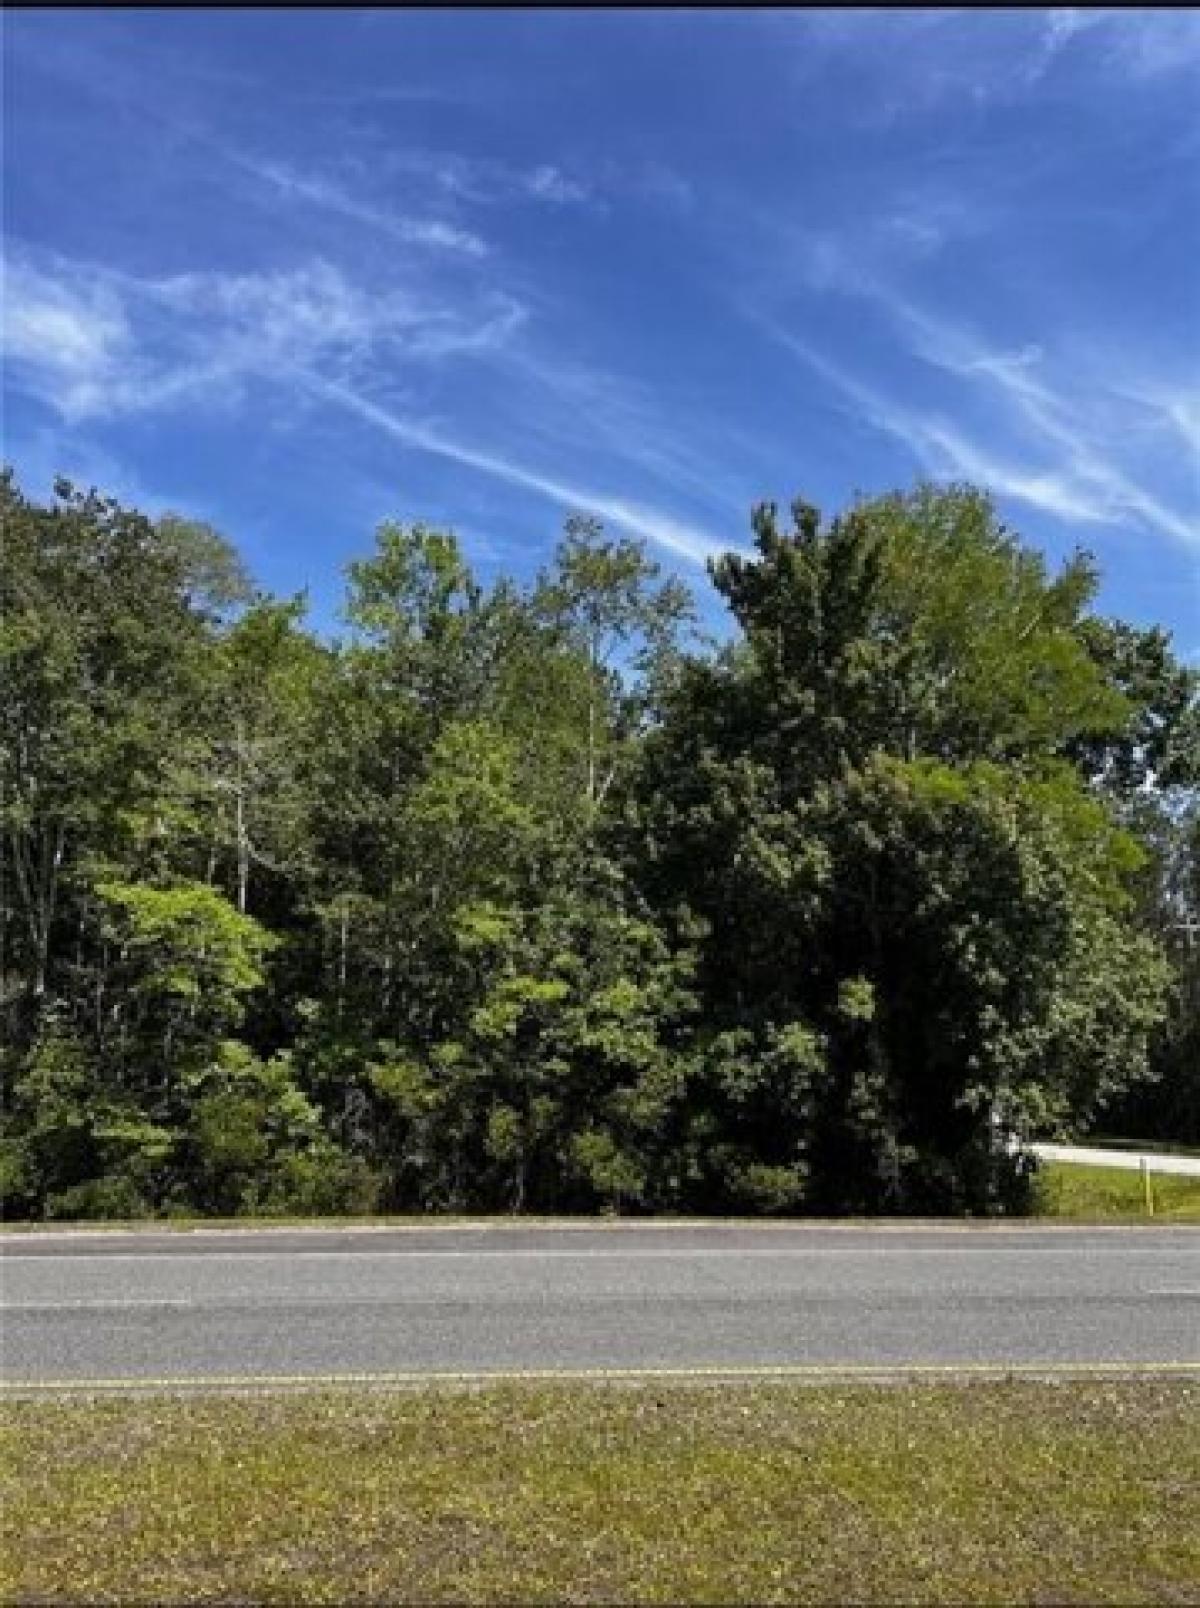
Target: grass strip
x,y
1101,1194
983,1493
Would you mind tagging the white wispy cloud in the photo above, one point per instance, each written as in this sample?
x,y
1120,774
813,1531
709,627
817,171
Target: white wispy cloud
x,y
327,193
68,340
487,180
1050,442
114,79
1058,28
152,96
944,450
586,407
549,183
93,343
1153,43
910,62
1051,416
1183,412
1172,409
662,529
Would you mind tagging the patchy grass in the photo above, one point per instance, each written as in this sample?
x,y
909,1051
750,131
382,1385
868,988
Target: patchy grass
x,y
190,1225
1091,1194
520,1220
984,1493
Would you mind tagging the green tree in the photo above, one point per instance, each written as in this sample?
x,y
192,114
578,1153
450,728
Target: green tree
x,y
609,603
1150,770
896,874
557,1083
506,901
100,653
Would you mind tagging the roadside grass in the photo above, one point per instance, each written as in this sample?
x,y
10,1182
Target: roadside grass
x,y
1000,1492
1096,1194
190,1224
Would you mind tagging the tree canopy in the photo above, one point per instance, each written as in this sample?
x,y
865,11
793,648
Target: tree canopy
x,y
520,897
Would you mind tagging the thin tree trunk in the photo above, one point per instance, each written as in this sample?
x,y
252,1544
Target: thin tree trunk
x,y
591,756
243,844
343,947
47,900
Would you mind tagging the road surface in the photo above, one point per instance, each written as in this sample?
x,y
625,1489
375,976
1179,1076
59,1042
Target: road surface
x,y
297,1305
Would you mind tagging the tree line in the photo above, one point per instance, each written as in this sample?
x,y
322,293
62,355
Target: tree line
x,y
531,897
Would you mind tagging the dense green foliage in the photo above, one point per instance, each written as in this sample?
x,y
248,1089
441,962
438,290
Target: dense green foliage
x,y
518,898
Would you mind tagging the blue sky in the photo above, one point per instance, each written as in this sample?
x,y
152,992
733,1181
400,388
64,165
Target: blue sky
x,y
298,272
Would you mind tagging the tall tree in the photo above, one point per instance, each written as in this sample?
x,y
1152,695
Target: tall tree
x,y
896,874
610,603
517,897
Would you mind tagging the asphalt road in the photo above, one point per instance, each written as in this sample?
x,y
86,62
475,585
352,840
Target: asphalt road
x,y
250,1305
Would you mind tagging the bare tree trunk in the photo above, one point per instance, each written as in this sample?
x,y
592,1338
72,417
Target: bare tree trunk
x,y
594,668
43,917
243,842
101,979
344,945
210,870
591,758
